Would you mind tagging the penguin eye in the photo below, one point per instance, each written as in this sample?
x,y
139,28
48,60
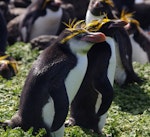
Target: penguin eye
x,y
79,36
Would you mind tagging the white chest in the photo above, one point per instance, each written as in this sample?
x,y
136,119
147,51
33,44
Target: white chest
x,y
48,112
48,24
75,77
138,54
112,61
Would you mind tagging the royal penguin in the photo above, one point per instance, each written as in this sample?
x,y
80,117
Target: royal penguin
x,y
140,40
124,71
53,82
43,17
90,105
3,34
8,65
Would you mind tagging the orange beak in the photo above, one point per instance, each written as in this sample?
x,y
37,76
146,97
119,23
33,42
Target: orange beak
x,y
96,37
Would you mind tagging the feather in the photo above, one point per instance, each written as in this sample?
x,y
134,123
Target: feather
x,y
109,2
128,17
13,64
75,28
95,25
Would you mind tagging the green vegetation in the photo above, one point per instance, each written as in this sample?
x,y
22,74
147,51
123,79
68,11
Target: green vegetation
x,y
129,115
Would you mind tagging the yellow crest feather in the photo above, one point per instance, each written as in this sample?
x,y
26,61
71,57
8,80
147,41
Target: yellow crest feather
x,y
3,57
128,17
74,27
95,25
109,2
13,64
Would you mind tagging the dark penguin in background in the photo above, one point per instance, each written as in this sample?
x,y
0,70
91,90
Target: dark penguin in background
x,y
140,9
20,3
80,7
53,81
124,4
124,70
43,17
8,65
3,34
140,42
90,105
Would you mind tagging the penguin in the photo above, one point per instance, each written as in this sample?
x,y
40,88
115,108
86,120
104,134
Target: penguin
x,y
124,71
53,82
43,17
141,10
8,65
93,100
140,42
3,34
99,7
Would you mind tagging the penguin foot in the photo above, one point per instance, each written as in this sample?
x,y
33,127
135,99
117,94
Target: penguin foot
x,y
134,78
70,122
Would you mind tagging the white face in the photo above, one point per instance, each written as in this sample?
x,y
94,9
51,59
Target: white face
x,y
79,46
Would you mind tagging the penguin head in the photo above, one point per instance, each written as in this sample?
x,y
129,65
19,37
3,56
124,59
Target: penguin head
x,y
80,31
51,4
107,26
80,39
133,25
41,6
98,7
82,42
8,67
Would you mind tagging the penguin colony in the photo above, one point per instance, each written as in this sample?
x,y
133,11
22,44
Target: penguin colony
x,y
79,66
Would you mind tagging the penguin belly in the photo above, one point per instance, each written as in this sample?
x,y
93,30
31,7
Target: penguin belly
x,y
48,112
48,24
138,54
75,77
112,61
